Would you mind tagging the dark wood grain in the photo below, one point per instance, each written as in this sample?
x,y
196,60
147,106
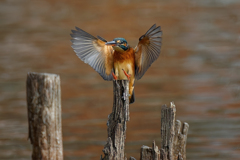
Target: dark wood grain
x,y
117,122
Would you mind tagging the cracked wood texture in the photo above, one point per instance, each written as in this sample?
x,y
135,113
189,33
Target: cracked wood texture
x,y
173,135
44,116
117,122
148,153
173,138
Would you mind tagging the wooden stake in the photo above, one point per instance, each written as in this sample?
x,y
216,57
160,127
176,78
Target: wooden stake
x,y
148,153
44,116
117,122
167,130
173,135
173,138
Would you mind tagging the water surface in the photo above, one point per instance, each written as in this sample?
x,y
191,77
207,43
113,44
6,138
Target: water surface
x,y
198,69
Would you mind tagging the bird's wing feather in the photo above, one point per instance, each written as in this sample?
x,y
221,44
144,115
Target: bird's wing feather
x,y
147,50
94,52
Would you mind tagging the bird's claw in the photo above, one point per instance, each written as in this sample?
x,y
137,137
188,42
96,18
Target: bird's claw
x,y
128,75
114,76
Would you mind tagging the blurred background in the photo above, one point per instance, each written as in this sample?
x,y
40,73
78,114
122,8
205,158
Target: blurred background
x,y
198,69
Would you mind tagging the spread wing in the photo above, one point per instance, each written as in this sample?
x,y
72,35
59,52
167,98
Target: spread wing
x,y
147,50
94,52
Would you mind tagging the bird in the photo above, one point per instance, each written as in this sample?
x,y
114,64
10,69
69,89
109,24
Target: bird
x,y
116,59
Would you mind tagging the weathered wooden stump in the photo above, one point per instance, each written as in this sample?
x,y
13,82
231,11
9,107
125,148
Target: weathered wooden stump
x,y
117,122
173,138
44,116
148,153
45,131
173,133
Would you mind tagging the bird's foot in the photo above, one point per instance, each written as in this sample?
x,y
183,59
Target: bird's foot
x,y
128,75
114,76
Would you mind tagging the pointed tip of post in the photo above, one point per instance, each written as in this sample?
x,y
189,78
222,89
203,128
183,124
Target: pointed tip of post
x,y
172,105
185,128
153,144
164,106
144,147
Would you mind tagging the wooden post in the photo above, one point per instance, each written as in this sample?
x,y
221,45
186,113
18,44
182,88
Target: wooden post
x,y
173,135
167,130
148,153
44,116
173,138
117,122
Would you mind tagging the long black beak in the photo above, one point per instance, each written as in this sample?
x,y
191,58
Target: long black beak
x,y
112,43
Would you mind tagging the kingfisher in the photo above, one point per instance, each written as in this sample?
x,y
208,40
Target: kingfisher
x,y
116,59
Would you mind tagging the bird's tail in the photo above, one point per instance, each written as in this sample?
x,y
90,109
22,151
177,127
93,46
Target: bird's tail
x,y
132,98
